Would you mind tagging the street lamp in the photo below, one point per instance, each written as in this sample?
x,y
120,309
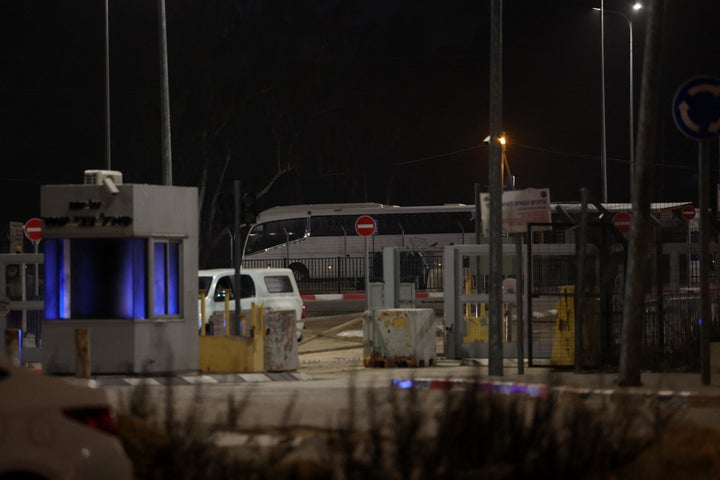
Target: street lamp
x,y
502,140
628,19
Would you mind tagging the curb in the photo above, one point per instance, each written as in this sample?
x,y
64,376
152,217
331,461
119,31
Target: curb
x,y
192,379
686,398
361,296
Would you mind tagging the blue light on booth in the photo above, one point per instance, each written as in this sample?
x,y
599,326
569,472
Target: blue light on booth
x,y
166,278
52,279
139,274
95,278
173,280
159,285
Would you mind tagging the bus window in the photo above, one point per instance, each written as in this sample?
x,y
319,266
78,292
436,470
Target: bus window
x,y
332,225
271,234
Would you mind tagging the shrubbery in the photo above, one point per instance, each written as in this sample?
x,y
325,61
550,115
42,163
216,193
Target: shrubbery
x,y
468,434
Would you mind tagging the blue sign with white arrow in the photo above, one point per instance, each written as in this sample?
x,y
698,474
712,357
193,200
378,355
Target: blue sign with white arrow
x,y
696,108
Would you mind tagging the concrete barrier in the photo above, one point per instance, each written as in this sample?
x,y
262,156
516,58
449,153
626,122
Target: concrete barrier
x,y
281,346
400,337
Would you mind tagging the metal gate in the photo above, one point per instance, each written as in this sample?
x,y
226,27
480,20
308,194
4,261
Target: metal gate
x,y
544,287
21,282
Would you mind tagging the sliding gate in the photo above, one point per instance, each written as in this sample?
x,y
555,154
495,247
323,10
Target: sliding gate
x,y
545,340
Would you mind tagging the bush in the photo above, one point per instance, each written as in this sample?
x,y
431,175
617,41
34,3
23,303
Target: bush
x,y
468,434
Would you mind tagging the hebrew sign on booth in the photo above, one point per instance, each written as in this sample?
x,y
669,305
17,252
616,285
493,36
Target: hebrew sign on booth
x,y
519,208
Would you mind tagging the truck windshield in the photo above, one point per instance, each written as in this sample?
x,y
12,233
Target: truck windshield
x,y
204,284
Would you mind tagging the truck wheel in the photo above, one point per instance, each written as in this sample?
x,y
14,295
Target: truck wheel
x,y
300,271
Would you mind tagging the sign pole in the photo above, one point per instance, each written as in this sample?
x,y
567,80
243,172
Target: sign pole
x,y
367,275
696,115
36,272
704,171
365,226
236,327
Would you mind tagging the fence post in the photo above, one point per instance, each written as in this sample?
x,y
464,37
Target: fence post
x,y
338,274
13,344
82,352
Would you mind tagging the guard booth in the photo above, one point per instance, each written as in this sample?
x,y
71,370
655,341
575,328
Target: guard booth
x,y
121,264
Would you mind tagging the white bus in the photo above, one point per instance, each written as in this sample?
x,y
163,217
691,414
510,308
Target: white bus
x,y
320,241
313,240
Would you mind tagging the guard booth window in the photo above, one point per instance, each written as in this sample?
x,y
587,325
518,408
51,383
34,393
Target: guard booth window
x,y
166,281
95,278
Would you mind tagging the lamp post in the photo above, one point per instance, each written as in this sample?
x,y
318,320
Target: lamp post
x,y
628,19
502,140
108,162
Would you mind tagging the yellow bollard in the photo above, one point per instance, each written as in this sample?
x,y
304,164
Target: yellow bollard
x,y
203,320
563,347
82,352
13,344
468,287
227,313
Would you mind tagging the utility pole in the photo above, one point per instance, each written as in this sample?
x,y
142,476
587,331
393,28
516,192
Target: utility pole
x,y
108,162
603,146
166,147
495,360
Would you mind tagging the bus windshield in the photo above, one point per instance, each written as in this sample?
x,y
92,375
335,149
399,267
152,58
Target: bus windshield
x,y
271,234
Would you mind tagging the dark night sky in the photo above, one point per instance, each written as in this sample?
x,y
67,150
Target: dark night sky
x,y
366,101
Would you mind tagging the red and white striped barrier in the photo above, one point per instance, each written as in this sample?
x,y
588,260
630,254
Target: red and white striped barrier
x,y
361,296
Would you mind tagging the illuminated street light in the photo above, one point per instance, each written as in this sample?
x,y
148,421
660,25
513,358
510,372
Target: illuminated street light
x,y
637,6
502,140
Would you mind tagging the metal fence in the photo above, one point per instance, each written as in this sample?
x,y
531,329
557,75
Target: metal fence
x,y
21,281
347,274
670,328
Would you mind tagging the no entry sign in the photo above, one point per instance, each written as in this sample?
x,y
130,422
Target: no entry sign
x,y
33,229
688,212
365,225
621,220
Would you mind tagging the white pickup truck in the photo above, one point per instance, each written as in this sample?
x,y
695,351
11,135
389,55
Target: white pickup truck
x,y
275,288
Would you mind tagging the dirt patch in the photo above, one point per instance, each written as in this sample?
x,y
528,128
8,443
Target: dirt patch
x,y
683,451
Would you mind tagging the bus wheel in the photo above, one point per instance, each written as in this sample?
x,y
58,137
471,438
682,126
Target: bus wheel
x,y
300,271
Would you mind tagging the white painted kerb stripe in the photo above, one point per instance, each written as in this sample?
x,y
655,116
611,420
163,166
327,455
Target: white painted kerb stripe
x,y
139,381
198,379
254,377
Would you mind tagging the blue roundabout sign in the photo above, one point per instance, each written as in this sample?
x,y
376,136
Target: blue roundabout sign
x,y
696,108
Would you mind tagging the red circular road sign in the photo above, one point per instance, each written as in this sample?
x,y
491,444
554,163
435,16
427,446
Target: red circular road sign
x,y
621,220
688,212
33,229
365,225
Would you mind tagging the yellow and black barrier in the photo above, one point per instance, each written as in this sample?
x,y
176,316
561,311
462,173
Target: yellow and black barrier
x,y
231,354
